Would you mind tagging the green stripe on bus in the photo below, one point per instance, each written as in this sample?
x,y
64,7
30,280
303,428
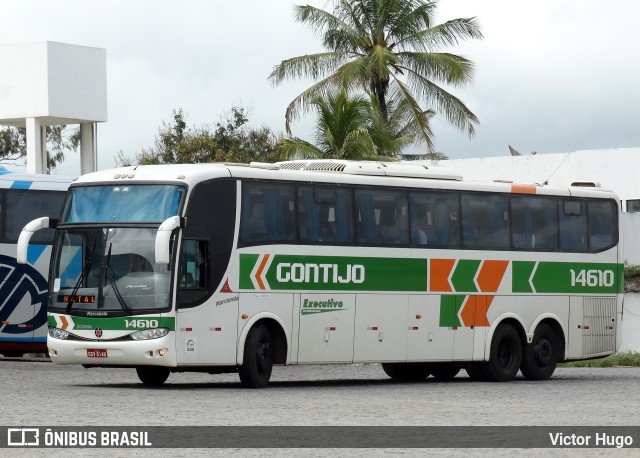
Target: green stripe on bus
x,y
567,277
126,323
341,273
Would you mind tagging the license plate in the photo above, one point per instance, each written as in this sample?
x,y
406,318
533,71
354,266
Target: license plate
x,y
96,353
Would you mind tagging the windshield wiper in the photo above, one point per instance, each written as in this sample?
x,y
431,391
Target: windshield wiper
x,y
106,265
85,271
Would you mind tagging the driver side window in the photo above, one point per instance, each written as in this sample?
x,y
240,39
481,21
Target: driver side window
x,y
193,269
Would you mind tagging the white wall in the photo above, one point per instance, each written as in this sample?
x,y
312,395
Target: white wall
x,y
631,323
630,224
612,168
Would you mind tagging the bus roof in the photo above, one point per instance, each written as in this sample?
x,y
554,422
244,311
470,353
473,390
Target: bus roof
x,y
17,180
331,171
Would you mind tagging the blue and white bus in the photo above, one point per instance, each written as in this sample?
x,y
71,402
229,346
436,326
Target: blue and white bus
x,y
23,287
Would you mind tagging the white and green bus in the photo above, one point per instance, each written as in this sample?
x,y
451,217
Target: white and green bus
x,y
236,268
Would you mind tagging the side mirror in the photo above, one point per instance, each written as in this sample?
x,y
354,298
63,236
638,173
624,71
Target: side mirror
x,y
163,237
27,232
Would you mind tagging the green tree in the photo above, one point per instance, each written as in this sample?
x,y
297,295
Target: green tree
x,y
392,49
229,140
346,128
60,139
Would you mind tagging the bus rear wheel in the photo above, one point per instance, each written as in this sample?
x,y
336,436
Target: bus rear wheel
x,y
540,356
406,371
257,365
506,355
152,376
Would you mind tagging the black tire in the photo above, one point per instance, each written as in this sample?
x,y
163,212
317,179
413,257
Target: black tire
x,y
444,371
506,355
152,376
13,354
540,357
475,372
406,371
256,368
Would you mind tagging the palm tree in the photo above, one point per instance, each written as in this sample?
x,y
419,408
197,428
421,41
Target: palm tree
x,y
346,128
391,49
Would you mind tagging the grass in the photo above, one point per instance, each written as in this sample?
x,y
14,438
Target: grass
x,y
625,359
631,270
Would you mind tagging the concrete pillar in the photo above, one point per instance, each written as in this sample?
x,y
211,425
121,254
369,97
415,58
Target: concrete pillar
x,y
88,149
36,146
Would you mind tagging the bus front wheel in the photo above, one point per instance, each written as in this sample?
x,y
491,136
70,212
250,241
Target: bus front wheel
x,y
540,356
152,376
506,355
255,371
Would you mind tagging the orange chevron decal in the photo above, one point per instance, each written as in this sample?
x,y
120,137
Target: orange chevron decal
x,y
259,271
474,310
490,275
64,322
440,271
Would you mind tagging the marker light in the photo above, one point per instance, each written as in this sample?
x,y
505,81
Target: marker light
x,y
58,333
147,334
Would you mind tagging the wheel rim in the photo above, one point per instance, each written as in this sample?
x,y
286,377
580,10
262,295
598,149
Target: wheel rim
x,y
543,352
263,356
505,353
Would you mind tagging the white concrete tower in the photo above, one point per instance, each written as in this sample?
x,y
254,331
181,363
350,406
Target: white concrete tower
x,y
48,83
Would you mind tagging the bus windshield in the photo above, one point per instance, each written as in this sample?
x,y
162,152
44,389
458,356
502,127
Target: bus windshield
x,y
127,203
108,269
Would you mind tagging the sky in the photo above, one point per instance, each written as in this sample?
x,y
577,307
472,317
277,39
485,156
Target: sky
x,y
550,75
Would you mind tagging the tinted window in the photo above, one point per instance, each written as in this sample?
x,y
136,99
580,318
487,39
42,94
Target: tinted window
x,y
208,240
485,221
325,214
382,217
434,218
573,225
534,223
268,213
22,206
602,225
122,203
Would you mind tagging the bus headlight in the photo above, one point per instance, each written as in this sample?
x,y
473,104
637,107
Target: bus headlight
x,y
147,334
58,333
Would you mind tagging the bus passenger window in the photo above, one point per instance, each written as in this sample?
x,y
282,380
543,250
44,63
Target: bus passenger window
x,y
434,218
602,225
485,221
268,213
325,214
533,223
573,225
382,217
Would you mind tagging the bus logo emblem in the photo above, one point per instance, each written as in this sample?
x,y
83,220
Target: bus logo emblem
x,y
98,333
18,281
